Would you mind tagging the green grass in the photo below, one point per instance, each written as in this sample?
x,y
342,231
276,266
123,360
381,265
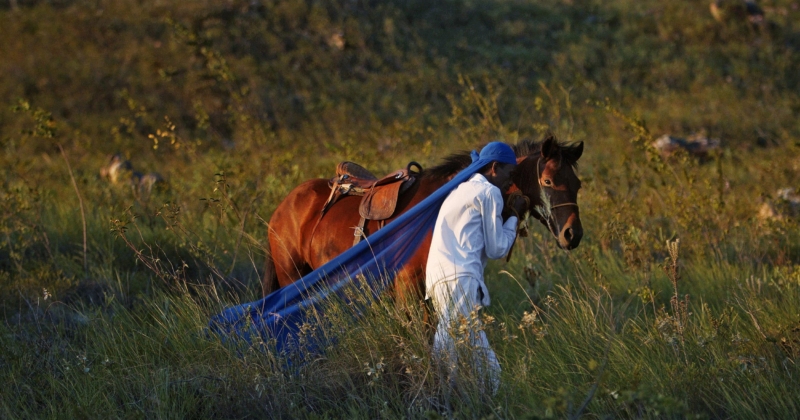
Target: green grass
x,y
249,99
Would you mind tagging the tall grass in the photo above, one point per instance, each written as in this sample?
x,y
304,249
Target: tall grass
x,y
577,346
236,104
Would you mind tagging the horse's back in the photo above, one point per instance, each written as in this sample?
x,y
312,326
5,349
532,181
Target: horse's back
x,y
302,238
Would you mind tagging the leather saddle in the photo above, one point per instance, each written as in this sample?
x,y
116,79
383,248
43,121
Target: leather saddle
x,y
380,194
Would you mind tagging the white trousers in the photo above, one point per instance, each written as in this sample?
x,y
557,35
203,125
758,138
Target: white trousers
x,y
460,330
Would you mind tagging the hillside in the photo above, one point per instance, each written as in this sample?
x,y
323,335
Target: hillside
x,y
105,286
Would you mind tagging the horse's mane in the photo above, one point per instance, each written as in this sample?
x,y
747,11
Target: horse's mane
x,y
534,148
527,148
451,165
460,160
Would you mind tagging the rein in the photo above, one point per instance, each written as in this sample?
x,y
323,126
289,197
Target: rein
x,y
563,205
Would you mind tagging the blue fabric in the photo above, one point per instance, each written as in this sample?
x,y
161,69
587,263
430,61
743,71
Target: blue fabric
x,y
498,151
284,316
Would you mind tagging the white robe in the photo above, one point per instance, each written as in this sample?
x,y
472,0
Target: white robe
x,y
469,230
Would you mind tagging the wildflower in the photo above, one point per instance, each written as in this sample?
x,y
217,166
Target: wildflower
x,y
528,319
374,372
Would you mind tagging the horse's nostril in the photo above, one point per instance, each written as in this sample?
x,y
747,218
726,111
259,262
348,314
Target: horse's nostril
x,y
568,234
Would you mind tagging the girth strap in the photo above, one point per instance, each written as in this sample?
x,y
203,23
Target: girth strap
x,y
361,230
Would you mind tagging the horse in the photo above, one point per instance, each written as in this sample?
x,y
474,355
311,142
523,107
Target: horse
x,y
301,238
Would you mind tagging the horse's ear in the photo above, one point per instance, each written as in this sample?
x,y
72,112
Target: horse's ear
x,y
575,153
550,148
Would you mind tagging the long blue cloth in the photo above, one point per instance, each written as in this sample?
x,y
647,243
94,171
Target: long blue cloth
x,y
284,317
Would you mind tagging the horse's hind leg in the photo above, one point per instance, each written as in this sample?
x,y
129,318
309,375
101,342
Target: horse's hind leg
x,y
288,264
289,230
269,282
409,296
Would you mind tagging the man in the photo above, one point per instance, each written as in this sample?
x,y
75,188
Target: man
x,y
469,230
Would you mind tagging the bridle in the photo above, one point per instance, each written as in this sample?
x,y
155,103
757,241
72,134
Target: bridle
x,y
542,184
516,192
522,228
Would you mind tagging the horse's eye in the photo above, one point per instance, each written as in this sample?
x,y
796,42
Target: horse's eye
x,y
547,182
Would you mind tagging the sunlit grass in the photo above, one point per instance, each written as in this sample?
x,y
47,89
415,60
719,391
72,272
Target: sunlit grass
x,y
250,101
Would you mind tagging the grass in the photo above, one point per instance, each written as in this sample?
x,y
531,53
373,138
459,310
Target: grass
x,y
248,99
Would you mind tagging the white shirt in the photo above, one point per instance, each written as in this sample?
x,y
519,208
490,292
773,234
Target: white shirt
x,y
469,230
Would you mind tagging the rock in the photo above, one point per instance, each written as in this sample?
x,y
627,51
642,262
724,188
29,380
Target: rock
x,y
696,145
725,11
786,204
149,181
119,171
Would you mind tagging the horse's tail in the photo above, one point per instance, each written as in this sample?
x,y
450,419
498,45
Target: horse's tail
x,y
269,283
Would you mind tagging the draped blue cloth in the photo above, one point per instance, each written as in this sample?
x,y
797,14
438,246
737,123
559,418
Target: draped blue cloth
x,y
284,317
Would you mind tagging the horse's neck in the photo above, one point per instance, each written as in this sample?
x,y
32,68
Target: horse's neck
x,y
429,185
528,180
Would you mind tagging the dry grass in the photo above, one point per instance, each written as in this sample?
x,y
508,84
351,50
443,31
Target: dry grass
x,y
244,102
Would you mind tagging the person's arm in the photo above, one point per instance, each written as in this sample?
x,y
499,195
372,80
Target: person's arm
x,y
498,236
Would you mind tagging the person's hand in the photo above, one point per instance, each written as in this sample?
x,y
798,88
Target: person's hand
x,y
520,205
515,204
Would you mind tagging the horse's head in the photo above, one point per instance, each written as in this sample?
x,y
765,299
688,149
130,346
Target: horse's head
x,y
546,176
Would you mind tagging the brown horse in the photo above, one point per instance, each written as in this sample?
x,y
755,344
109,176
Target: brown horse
x,y
293,252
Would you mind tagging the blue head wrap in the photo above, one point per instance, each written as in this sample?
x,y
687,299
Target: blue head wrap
x,y
496,151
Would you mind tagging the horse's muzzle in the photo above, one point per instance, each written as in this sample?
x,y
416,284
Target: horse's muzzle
x,y
570,236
